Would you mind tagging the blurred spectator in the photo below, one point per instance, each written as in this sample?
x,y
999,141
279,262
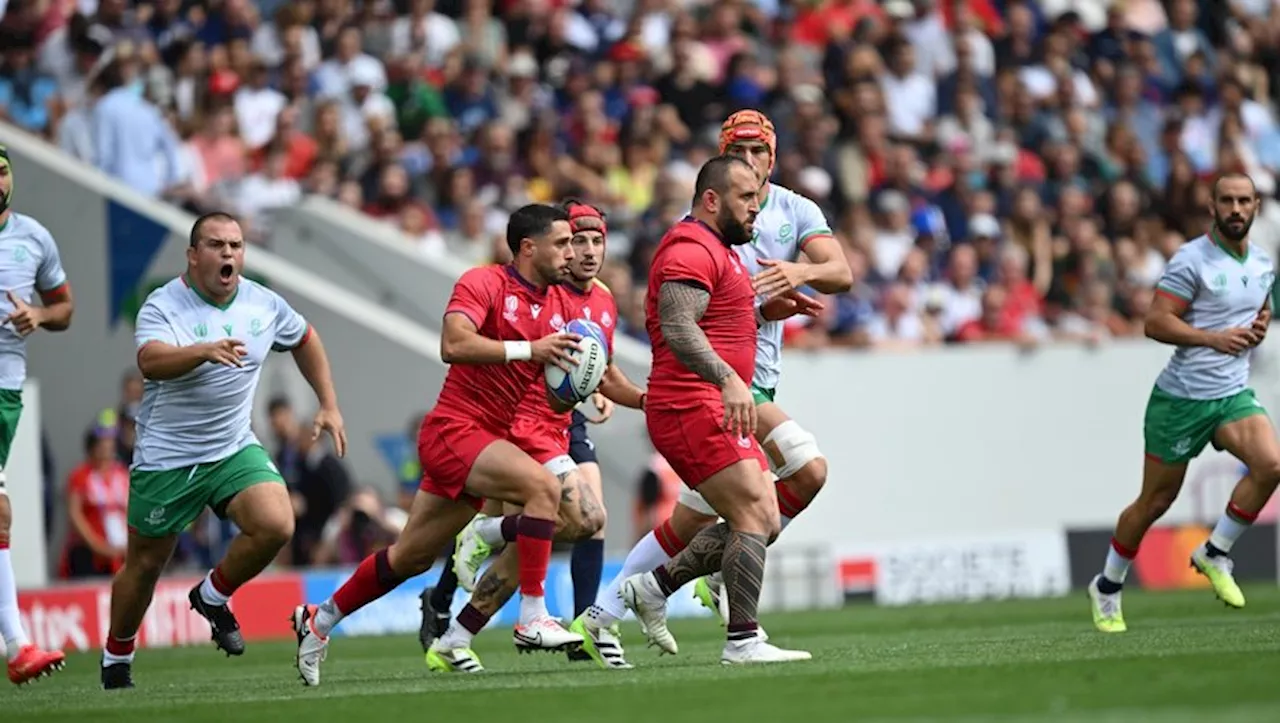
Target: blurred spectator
x,y
318,481
97,498
360,528
129,134
26,94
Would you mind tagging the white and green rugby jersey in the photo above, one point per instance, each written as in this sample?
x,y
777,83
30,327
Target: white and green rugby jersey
x,y
29,264
204,416
786,222
1222,291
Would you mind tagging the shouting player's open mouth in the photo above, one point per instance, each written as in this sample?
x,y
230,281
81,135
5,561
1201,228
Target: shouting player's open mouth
x,y
227,274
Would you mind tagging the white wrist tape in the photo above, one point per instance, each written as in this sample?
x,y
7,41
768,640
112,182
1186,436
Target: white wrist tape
x,y
518,350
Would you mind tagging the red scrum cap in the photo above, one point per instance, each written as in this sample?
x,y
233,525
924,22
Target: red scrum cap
x,y
585,217
748,125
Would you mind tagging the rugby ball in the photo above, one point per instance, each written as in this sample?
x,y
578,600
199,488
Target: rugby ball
x,y
593,358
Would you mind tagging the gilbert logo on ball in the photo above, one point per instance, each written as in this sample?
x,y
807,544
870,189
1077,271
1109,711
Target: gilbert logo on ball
x,y
592,356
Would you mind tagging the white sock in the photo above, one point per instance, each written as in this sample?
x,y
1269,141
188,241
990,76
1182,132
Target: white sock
x,y
715,580
1117,566
598,617
109,658
327,617
646,555
1227,531
531,607
490,530
210,594
457,636
15,638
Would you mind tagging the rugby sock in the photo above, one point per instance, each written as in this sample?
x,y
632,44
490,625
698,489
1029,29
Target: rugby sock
x,y
447,585
789,503
371,580
498,531
585,567
648,553
1230,527
1114,571
118,650
464,628
15,638
533,544
215,590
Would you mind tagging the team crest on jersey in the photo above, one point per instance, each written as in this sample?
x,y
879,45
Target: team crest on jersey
x,y
512,304
784,234
20,254
606,320
557,322
1219,284
536,309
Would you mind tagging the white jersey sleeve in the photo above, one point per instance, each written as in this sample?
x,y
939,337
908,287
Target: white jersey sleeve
x,y
291,327
49,274
1181,275
811,222
152,324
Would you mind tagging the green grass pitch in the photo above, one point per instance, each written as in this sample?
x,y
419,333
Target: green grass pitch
x,y
1185,658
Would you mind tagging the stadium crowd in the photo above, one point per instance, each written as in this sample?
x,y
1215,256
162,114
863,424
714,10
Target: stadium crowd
x,y
998,170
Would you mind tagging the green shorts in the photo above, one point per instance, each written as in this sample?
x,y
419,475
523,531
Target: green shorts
x,y
1176,430
10,412
762,395
165,502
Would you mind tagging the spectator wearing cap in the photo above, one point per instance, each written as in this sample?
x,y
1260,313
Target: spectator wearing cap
x,y
26,94
132,141
97,498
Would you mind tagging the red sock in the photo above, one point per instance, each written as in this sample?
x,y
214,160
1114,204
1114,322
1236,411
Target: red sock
x,y
668,540
533,544
789,503
219,582
373,579
116,646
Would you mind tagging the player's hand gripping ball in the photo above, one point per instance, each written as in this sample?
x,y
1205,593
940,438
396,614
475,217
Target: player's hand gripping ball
x,y
593,358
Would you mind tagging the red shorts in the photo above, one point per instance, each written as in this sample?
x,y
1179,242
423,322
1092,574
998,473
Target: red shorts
x,y
694,444
541,439
447,449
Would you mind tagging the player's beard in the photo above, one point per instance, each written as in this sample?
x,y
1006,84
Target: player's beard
x,y
1227,232
735,233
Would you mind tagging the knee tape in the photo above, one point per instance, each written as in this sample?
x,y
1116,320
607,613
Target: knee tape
x,y
561,465
789,448
695,502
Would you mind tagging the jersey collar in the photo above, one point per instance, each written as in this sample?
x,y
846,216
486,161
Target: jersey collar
x,y
200,294
707,226
1213,235
532,287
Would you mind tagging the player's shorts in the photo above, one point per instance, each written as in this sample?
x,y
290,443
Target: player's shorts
x,y
581,448
762,395
1176,430
10,413
539,439
694,444
447,450
166,502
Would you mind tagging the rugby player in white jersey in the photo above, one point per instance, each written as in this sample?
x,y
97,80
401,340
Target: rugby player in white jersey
x,y
792,247
29,266
1213,303
202,339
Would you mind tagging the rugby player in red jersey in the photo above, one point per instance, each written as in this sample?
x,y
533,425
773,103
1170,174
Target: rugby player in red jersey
x,y
543,433
497,338
700,313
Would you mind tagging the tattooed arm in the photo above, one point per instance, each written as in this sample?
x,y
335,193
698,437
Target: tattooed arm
x,y
680,307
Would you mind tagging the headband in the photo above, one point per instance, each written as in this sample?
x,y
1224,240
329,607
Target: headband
x,y
583,217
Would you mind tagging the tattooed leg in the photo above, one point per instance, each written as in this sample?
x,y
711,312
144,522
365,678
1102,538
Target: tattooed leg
x,y
703,556
743,571
498,583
